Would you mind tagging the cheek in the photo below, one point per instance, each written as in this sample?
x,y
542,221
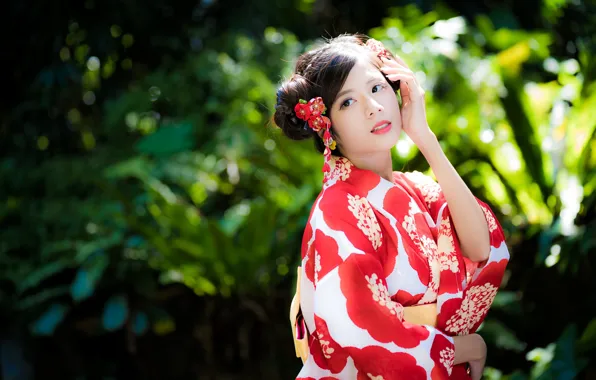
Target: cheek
x,y
342,126
392,99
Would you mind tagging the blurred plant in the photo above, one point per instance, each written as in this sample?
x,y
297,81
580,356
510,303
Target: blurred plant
x,y
530,151
191,184
171,173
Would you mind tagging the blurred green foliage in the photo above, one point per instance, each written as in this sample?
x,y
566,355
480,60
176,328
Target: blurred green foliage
x,y
153,213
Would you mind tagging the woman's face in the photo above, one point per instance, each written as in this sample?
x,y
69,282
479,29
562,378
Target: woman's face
x,y
365,115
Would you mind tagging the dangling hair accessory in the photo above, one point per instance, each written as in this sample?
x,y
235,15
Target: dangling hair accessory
x,y
378,47
312,112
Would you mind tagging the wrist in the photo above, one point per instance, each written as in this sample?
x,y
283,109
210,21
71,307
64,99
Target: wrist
x,y
480,345
430,147
468,348
426,141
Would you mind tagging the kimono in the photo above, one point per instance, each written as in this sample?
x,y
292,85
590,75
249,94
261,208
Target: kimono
x,y
372,247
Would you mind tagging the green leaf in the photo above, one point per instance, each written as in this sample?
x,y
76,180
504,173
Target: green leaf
x,y
41,297
517,375
55,247
49,320
566,364
140,323
164,324
542,357
588,338
137,167
115,313
502,336
189,247
203,285
258,229
33,279
86,249
525,134
88,276
167,140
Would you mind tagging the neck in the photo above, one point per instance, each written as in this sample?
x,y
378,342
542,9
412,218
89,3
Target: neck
x,y
379,162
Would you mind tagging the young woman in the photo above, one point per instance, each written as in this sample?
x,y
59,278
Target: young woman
x,y
398,271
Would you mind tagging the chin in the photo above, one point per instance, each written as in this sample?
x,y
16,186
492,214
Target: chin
x,y
394,134
389,141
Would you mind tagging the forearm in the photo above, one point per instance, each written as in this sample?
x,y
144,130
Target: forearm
x,y
468,217
468,348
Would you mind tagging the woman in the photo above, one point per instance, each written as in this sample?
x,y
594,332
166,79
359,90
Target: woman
x,y
398,271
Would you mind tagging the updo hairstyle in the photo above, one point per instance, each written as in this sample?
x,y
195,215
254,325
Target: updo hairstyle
x,y
320,72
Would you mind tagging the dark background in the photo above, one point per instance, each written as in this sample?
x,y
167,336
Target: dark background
x,y
151,215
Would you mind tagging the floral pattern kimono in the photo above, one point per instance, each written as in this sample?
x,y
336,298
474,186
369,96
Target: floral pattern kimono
x,y
372,247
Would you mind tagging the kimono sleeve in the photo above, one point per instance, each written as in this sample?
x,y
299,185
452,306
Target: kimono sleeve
x,y
355,318
430,198
460,315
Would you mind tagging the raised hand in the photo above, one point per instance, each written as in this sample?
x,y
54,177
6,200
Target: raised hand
x,y
413,109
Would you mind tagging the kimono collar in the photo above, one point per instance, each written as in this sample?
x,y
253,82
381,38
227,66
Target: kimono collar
x,y
343,170
340,170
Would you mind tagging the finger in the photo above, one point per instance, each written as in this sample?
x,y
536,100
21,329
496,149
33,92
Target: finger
x,y
401,61
387,62
407,76
408,80
396,70
397,60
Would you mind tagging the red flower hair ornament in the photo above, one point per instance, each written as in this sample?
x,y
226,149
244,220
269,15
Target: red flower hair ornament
x,y
378,47
312,112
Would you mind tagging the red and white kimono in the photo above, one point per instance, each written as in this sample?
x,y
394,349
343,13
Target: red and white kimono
x,y
370,248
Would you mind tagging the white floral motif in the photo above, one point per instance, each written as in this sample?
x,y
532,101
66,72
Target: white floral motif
x,y
327,351
410,227
341,169
317,266
490,220
429,189
448,263
367,221
447,357
372,377
446,248
433,284
381,295
429,248
473,308
409,224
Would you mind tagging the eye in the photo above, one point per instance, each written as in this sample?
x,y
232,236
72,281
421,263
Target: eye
x,y
346,103
379,87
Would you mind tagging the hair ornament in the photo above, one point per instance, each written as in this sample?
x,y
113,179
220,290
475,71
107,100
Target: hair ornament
x,y
313,113
378,47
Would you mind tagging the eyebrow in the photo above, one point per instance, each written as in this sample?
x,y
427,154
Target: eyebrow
x,y
341,93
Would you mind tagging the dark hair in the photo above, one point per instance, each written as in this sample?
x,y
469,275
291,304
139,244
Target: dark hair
x,y
319,72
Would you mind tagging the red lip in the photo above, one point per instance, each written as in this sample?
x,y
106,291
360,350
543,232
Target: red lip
x,y
380,123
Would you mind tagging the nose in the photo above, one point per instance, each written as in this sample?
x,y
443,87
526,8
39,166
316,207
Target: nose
x,y
373,107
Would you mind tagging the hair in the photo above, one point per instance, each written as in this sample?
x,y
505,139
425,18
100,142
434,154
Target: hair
x,y
320,72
